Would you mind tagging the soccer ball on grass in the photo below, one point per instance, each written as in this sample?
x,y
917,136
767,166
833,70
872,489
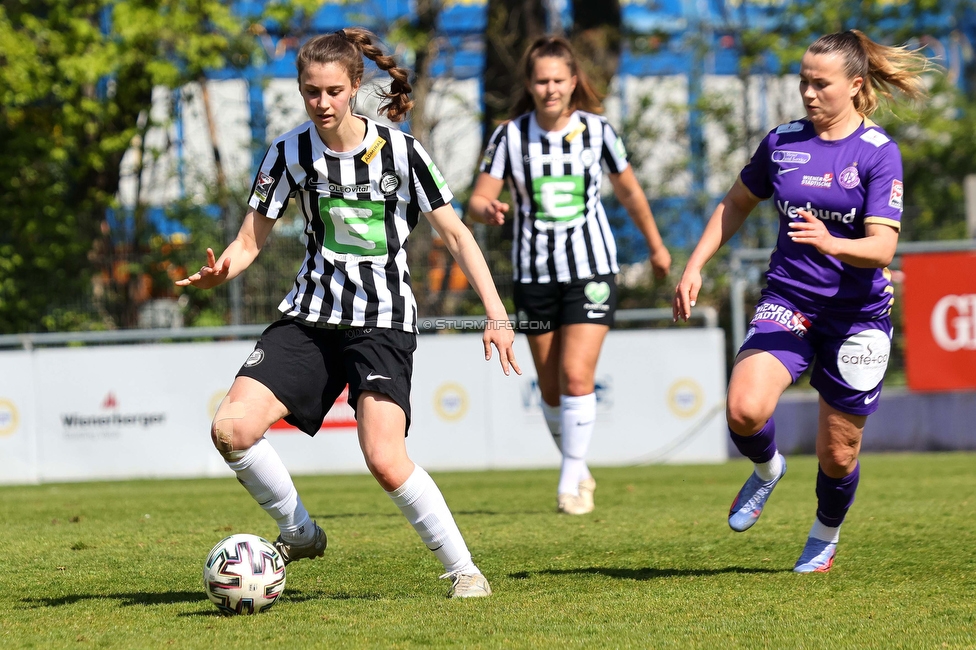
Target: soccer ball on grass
x,y
244,574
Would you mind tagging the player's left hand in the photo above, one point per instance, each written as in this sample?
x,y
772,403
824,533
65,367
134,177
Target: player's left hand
x,y
661,262
501,334
812,231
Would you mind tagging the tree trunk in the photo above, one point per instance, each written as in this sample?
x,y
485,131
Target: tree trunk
x,y
512,26
597,40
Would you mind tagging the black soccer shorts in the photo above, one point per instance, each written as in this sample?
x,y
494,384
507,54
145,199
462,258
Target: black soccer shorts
x,y
306,367
542,308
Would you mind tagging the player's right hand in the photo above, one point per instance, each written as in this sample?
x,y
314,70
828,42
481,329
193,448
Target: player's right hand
x,y
686,294
501,334
209,275
495,213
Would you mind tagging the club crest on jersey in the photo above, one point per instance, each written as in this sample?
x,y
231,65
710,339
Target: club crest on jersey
x,y
895,198
263,186
823,182
849,178
373,150
587,157
389,183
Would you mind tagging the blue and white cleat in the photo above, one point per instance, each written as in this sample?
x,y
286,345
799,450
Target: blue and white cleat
x,y
817,556
749,502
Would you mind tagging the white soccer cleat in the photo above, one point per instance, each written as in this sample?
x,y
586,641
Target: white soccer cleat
x,y
292,552
573,504
586,489
467,585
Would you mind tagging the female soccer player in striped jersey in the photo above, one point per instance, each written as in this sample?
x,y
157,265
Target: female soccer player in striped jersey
x,y
350,316
563,254
836,178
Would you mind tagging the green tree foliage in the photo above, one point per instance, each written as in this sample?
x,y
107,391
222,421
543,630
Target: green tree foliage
x,y
938,152
76,82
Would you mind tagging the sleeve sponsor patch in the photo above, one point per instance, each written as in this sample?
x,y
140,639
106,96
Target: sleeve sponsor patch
x,y
438,177
875,137
897,194
619,149
489,155
263,186
792,127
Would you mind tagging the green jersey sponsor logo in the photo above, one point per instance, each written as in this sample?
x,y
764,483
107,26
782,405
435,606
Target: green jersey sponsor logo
x,y
438,177
560,198
353,227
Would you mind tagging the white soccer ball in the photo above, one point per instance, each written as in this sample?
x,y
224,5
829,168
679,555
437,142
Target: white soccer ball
x,y
244,574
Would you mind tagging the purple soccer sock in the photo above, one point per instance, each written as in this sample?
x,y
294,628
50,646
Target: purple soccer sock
x,y
835,496
759,447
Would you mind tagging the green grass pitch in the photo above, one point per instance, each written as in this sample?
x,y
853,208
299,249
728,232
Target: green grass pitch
x,y
118,565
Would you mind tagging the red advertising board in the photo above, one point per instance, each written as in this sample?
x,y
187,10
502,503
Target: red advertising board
x,y
340,416
940,320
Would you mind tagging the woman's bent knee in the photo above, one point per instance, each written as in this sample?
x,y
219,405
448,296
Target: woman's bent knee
x,y
232,431
746,417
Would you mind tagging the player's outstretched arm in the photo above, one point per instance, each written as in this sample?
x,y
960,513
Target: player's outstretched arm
x,y
632,197
236,257
484,205
725,221
498,330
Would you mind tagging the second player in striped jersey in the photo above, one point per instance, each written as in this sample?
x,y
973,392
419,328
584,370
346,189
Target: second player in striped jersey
x,y
564,259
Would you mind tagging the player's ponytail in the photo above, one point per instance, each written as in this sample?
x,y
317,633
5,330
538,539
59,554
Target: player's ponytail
x,y
346,48
585,97
883,68
398,100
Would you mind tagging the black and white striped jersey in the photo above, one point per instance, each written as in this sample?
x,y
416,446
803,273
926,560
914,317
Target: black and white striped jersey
x,y
359,206
561,232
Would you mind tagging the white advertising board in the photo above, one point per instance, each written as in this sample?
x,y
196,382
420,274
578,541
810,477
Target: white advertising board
x,y
129,411
658,392
18,443
144,411
660,398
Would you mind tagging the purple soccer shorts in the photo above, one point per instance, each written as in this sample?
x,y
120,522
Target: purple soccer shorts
x,y
850,358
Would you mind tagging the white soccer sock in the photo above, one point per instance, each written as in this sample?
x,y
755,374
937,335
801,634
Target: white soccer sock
x,y
771,468
823,532
262,473
553,415
578,414
422,503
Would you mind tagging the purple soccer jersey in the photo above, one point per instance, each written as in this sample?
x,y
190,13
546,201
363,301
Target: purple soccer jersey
x,y
847,184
